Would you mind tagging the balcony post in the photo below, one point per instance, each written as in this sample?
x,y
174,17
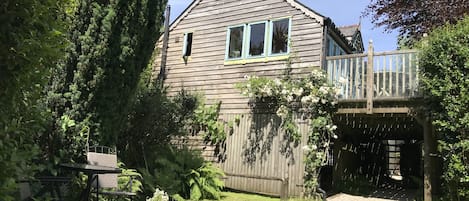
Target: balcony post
x,y
369,79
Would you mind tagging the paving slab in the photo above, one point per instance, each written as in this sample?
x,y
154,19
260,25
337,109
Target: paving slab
x,y
347,197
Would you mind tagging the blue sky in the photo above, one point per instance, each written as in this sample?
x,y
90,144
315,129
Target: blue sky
x,y
342,12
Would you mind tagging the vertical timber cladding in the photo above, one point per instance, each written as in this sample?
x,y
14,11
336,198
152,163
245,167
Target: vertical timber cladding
x,y
258,157
205,72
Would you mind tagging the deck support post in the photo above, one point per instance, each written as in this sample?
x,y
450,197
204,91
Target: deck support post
x,y
430,166
369,79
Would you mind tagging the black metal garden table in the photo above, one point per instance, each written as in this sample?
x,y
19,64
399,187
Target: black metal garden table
x,y
92,171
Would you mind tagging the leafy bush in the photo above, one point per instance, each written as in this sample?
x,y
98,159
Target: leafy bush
x,y
206,121
31,43
184,175
153,120
130,179
445,69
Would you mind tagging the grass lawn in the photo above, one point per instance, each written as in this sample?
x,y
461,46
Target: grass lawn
x,y
232,196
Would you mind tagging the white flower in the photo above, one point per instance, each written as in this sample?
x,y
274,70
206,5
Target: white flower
x,y
334,127
159,195
338,91
246,77
269,92
282,111
323,101
334,102
298,92
289,98
305,99
335,136
309,85
317,74
266,91
314,147
319,154
342,80
315,99
306,148
324,89
277,82
284,92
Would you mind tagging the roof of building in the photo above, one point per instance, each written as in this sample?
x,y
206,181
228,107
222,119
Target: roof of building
x,y
321,19
349,30
305,9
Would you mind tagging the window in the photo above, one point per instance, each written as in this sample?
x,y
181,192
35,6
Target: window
x,y
187,50
333,49
280,35
257,39
235,44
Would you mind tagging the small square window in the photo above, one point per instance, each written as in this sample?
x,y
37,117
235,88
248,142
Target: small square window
x,y
235,45
187,51
280,36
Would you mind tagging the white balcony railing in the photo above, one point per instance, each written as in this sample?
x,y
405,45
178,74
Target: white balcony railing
x,y
383,74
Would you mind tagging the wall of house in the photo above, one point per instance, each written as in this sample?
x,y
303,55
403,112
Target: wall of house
x,y
207,72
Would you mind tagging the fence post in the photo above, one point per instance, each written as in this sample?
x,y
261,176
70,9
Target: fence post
x,y
369,80
284,189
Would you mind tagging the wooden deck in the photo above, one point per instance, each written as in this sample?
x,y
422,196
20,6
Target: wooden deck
x,y
382,82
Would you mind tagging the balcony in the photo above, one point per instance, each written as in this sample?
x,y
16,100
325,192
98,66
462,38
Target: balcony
x,y
375,78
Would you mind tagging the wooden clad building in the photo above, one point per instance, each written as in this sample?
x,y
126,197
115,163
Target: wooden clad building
x,y
214,44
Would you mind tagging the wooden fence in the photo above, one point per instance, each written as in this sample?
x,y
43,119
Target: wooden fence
x,y
256,157
259,158
384,74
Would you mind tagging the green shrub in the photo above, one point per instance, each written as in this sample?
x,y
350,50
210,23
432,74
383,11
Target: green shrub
x,y
184,174
445,68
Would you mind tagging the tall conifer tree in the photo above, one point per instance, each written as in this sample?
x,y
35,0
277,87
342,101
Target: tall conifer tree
x,y
112,43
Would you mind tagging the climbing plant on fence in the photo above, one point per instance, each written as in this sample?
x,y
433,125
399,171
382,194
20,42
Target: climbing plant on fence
x,y
311,97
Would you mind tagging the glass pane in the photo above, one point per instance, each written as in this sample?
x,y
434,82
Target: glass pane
x,y
236,42
188,47
256,46
280,36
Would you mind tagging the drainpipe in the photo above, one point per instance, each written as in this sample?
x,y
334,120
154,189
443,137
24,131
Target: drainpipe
x,y
164,53
324,46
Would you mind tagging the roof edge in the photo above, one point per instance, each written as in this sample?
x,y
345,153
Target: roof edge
x,y
307,10
183,14
296,4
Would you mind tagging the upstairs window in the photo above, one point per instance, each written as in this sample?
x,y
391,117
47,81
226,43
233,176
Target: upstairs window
x,y
280,36
187,48
257,39
235,44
